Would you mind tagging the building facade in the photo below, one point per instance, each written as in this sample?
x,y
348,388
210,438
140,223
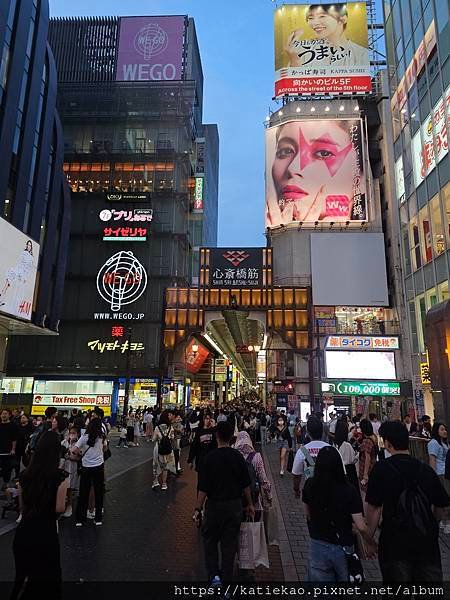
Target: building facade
x,y
34,196
131,125
418,165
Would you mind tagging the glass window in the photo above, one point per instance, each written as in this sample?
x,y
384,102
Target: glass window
x,y
414,243
446,192
442,8
421,312
416,11
424,220
431,298
443,291
413,324
437,226
406,255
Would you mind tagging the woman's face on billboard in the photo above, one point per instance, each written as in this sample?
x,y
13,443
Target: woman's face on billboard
x,y
313,170
323,24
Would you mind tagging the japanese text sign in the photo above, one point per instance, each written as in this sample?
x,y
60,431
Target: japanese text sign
x,y
236,267
353,342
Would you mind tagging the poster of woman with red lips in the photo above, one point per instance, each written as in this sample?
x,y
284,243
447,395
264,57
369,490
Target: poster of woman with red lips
x,y
315,172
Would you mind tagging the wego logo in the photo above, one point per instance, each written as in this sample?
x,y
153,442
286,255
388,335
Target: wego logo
x,y
235,257
151,41
121,280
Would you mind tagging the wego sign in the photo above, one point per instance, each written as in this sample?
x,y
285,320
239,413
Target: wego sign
x,y
121,280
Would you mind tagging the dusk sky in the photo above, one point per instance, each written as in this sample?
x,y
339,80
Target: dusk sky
x,y
236,47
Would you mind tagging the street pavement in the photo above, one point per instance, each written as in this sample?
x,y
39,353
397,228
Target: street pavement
x,y
149,535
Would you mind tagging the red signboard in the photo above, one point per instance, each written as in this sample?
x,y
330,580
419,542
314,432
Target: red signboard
x,y
195,360
323,85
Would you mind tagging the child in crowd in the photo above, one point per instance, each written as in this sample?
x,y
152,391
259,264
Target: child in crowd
x,y
71,466
123,438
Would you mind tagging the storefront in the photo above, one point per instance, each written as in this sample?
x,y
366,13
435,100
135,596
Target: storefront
x,y
69,394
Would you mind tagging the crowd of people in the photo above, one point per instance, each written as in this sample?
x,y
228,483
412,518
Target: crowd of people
x,y
363,493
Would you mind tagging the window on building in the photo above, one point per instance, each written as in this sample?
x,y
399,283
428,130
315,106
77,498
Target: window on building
x,y
431,298
421,312
425,234
437,226
413,324
406,254
442,16
446,203
414,243
443,291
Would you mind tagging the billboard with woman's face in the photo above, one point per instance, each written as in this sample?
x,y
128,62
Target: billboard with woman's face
x,y
315,172
321,49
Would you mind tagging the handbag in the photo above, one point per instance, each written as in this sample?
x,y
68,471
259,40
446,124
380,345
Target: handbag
x,y
252,546
270,518
106,453
290,461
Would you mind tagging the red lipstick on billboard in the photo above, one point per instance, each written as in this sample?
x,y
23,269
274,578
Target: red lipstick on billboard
x,y
337,206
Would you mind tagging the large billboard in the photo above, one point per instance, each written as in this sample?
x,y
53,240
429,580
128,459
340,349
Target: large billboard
x,y
236,268
18,267
150,48
321,49
315,172
360,365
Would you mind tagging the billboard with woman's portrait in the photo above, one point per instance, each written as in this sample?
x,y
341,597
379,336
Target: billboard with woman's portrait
x,y
321,49
315,172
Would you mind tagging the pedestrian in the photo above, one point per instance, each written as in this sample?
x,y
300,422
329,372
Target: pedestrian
x,y
137,429
178,428
425,427
148,422
203,442
122,438
411,426
8,441
308,453
332,505
375,423
71,462
194,422
367,455
292,419
437,453
24,431
163,456
130,428
223,480
43,488
346,450
402,491
261,488
91,446
284,441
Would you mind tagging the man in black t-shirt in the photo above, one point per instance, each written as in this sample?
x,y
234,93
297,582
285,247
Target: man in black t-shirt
x,y
223,479
399,559
8,440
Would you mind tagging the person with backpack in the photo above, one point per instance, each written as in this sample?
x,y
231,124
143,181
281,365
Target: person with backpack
x,y
437,455
163,456
403,491
260,487
305,458
332,506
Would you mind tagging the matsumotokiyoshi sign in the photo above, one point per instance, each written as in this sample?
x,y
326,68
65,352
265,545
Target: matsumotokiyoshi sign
x,y
236,267
362,342
362,388
150,48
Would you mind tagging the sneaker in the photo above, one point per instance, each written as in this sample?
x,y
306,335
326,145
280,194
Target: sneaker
x,y
19,518
91,514
215,581
68,512
164,486
78,524
155,485
98,523
281,473
441,525
447,529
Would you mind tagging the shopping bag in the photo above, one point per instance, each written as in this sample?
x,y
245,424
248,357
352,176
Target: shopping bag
x,y
290,461
252,546
270,517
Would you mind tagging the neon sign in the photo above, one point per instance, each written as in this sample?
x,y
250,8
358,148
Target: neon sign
x,y
121,280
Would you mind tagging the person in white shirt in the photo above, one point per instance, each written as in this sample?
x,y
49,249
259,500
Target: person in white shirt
x,y
314,427
148,421
375,423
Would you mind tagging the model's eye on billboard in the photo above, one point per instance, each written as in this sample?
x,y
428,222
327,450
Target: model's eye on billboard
x,y
315,172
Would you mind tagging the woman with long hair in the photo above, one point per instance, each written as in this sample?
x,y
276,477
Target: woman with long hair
x,y
43,489
332,506
347,452
244,445
91,446
284,441
163,461
437,452
368,454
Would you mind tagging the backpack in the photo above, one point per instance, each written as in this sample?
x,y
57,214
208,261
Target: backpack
x,y
310,463
164,444
414,520
254,482
447,465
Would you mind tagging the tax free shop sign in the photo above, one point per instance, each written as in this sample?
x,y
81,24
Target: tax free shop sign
x,y
150,48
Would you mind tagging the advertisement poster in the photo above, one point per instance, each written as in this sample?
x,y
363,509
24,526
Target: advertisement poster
x,y
399,180
150,49
18,267
315,172
321,49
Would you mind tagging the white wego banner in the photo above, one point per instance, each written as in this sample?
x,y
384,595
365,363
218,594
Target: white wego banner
x,y
19,257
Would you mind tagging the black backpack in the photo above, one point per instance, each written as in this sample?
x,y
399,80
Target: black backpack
x,y
164,444
254,483
414,521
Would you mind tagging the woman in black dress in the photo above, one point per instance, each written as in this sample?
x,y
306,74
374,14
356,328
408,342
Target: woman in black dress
x,y
43,489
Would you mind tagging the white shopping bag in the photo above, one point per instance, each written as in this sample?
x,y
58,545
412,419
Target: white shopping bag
x,y
252,546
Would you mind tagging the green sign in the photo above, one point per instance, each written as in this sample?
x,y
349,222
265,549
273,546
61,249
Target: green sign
x,y
362,388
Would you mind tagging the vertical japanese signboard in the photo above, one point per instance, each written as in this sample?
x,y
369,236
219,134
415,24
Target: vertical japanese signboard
x,y
321,49
199,189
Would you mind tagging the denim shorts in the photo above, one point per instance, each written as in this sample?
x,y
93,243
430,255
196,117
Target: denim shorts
x,y
327,562
282,444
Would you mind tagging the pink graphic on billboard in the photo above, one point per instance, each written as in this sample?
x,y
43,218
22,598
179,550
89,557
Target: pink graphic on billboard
x,y
150,49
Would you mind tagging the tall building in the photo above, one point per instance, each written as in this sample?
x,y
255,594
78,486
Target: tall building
x,y
143,173
418,167
34,196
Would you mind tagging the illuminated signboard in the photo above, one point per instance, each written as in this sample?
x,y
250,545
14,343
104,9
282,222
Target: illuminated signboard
x,y
220,369
198,193
362,342
425,373
236,267
125,234
137,215
123,347
72,399
200,156
121,280
362,388
128,197
360,365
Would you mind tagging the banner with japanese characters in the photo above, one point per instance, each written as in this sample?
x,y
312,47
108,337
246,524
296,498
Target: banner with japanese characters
x,y
321,49
315,172
236,267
